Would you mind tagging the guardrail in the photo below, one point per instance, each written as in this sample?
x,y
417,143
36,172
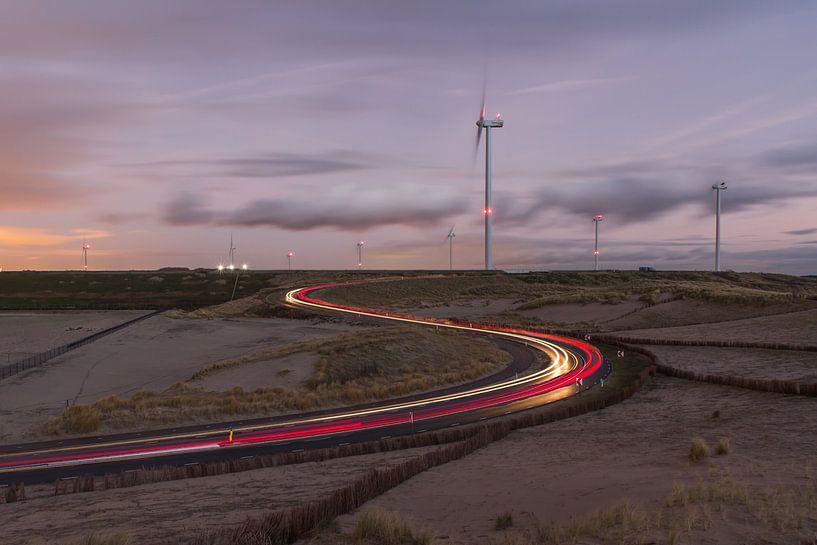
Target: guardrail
x,y
38,359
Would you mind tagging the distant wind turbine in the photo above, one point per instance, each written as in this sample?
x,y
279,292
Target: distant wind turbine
x,y
231,254
450,237
85,248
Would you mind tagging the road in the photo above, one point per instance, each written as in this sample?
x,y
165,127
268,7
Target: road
x,y
573,366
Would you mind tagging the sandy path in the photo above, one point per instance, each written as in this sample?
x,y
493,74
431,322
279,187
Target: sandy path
x,y
635,450
753,363
152,355
796,327
26,333
164,512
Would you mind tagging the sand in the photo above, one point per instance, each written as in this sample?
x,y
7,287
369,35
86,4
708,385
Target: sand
x,y
761,364
588,312
634,450
25,333
687,312
794,327
163,513
150,355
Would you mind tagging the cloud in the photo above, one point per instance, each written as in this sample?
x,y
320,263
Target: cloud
x,y
565,85
798,156
809,231
270,165
24,236
348,209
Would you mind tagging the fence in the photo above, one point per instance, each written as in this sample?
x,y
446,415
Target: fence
x,y
39,359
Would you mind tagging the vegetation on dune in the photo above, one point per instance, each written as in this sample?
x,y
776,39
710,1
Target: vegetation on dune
x,y
534,290
98,538
698,449
389,528
352,368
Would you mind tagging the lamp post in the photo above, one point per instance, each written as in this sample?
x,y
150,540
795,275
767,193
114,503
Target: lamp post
x,y
289,260
596,219
360,253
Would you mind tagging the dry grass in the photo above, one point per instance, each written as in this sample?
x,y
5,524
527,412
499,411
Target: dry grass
x,y
376,364
698,450
503,521
624,522
389,528
723,447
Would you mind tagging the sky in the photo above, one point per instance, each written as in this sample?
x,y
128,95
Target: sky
x,y
157,129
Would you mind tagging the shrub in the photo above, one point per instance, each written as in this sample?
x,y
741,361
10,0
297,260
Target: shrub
x,y
724,446
504,521
388,528
716,413
698,450
96,538
81,419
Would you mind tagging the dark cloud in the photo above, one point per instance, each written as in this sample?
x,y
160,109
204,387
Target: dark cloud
x,y
351,209
810,231
793,157
270,165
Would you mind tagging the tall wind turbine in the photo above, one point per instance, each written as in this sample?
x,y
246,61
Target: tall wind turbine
x,y
488,211
718,188
451,236
85,248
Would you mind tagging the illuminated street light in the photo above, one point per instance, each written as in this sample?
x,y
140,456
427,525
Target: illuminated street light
x,y
244,267
289,259
360,253
596,219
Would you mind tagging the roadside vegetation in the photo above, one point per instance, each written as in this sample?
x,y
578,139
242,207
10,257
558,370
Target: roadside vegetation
x,y
375,364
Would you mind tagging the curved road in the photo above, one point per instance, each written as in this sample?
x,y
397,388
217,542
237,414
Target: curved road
x,y
573,366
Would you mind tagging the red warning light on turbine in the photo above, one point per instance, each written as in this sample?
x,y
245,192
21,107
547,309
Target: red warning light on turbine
x,y
599,216
487,211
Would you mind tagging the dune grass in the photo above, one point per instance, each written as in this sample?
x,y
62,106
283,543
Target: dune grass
x,y
374,364
698,450
389,528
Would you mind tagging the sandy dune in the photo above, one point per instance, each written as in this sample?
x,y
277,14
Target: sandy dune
x,y
23,333
794,327
165,512
763,364
635,450
153,354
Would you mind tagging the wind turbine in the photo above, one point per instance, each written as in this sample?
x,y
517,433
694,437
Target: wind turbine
x,y
231,253
718,188
451,236
360,253
85,248
488,211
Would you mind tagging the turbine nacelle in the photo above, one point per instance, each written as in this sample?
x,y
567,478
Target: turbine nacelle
x,y
490,123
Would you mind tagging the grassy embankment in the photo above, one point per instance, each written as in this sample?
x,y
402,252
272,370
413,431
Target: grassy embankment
x,y
374,364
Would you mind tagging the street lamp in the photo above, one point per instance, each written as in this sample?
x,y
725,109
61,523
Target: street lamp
x,y
289,259
718,188
360,253
596,219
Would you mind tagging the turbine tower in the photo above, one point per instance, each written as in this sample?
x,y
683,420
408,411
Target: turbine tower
x,y
488,211
360,253
596,219
718,188
289,259
451,236
85,248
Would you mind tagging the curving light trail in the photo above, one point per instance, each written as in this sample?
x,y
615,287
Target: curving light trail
x,y
573,365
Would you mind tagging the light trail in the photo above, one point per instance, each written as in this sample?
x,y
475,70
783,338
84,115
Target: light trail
x,y
571,362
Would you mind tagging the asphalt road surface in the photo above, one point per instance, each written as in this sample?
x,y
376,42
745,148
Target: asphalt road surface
x,y
572,366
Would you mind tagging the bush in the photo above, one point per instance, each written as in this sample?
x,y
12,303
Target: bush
x,y
95,538
698,450
724,446
81,419
388,528
504,521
